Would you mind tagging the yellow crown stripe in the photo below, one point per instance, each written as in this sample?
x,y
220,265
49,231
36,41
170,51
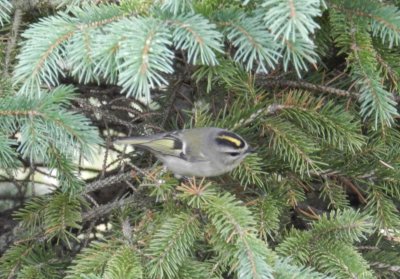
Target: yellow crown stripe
x,y
233,140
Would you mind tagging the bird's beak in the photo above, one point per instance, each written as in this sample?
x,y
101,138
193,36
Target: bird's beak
x,y
251,150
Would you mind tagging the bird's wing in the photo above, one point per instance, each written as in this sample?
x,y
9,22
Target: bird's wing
x,y
191,152
167,145
171,144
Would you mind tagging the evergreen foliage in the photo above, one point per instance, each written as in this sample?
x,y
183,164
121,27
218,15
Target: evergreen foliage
x,y
5,10
312,84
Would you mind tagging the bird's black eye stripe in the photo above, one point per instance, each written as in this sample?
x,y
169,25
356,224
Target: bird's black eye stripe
x,y
230,139
177,142
234,154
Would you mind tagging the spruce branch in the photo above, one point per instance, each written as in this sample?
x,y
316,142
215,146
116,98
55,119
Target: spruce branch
x,y
105,209
42,66
143,56
234,224
196,193
342,261
172,245
268,212
334,194
31,216
72,3
296,245
8,156
384,19
250,172
231,220
12,42
252,255
258,50
101,183
96,258
323,244
12,260
105,114
383,211
300,84
390,268
327,121
292,23
124,263
376,102
388,64
62,214
47,219
178,7
293,148
298,53
346,226
45,122
42,57
196,35
5,12
41,263
67,171
285,268
198,270
291,20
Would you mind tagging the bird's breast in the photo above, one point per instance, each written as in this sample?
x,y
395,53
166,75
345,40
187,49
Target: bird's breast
x,y
198,168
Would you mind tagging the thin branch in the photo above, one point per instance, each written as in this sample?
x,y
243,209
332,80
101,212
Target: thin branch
x,y
347,182
393,268
314,87
102,210
308,86
12,42
99,184
104,114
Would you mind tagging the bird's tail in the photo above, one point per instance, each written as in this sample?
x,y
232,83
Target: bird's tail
x,y
135,140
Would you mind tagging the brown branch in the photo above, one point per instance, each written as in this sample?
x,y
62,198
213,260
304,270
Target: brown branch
x,y
12,42
392,268
99,184
83,105
314,87
347,182
309,86
105,209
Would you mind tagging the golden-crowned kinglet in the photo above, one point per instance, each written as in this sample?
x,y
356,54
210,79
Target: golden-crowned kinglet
x,y
195,152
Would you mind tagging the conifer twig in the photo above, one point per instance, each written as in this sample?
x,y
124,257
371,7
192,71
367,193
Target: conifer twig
x,y
104,209
393,268
309,86
349,184
314,87
96,185
12,42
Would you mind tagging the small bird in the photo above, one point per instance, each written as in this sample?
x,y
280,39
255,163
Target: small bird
x,y
201,152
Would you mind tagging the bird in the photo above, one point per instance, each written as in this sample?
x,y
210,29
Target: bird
x,y
196,152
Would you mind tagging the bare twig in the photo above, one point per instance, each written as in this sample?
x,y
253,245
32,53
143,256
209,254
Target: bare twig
x,y
315,87
107,208
348,183
12,42
99,184
309,86
392,268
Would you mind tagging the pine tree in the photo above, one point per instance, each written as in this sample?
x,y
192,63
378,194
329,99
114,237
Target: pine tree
x,y
312,84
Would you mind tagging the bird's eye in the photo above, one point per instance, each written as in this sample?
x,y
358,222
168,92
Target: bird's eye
x,y
234,154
